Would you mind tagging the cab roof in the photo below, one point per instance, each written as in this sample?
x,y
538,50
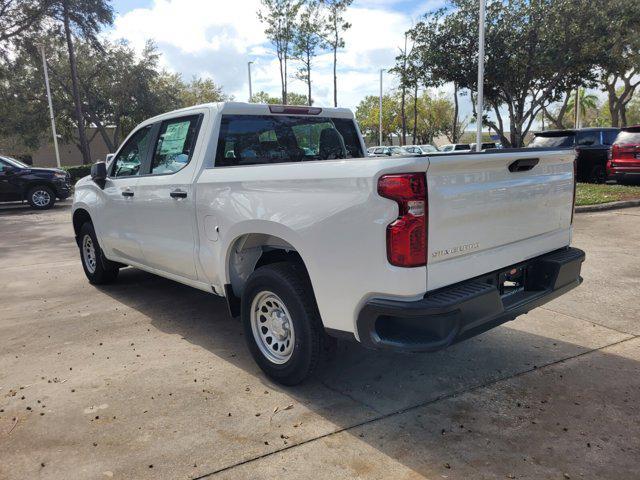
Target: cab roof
x,y
245,108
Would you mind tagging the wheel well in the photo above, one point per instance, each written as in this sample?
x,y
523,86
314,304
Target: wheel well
x,y
80,217
253,251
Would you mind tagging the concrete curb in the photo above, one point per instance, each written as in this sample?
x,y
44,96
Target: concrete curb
x,y
608,206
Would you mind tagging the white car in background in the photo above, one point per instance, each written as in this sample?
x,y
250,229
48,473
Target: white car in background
x,y
306,244
455,147
383,151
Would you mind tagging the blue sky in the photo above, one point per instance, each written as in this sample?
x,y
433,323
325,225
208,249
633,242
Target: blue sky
x,y
216,39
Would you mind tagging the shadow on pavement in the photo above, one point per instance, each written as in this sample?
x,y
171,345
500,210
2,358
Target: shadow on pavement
x,y
382,383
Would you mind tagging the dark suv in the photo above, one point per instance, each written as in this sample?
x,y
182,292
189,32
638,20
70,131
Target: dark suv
x,y
592,146
39,186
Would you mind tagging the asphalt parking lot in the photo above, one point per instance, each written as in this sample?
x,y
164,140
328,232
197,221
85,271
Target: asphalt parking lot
x,y
150,379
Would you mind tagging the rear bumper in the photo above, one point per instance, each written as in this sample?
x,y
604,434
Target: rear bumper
x,y
457,312
620,171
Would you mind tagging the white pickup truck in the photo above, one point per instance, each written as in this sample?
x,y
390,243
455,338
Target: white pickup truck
x,y
279,210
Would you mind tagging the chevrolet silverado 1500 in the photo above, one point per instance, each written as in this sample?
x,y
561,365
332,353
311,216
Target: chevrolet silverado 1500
x,y
279,210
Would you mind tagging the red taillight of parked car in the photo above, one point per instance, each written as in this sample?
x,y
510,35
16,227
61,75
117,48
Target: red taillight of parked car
x,y
407,235
621,152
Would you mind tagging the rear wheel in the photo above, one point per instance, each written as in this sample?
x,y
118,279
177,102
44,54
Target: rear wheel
x,y
41,197
598,174
97,268
281,322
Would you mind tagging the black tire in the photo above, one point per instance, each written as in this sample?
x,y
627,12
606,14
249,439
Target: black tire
x,y
598,174
290,283
101,271
41,197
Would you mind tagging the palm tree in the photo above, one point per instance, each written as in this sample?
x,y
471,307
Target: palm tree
x,y
585,101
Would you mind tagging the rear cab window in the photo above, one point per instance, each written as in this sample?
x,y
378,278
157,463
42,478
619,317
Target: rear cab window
x,y
589,138
262,139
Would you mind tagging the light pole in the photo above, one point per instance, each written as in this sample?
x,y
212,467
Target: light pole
x,y
480,99
576,105
53,120
249,72
380,113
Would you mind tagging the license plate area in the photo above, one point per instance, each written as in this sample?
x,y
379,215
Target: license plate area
x,y
512,281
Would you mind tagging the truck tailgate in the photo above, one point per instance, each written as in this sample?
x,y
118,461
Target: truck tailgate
x,y
490,210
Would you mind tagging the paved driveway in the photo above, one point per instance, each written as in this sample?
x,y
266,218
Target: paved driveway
x,y
150,379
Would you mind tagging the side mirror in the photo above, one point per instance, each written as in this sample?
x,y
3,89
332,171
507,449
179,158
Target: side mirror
x,y
99,173
9,170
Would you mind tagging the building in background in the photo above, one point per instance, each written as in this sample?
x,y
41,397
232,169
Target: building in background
x,y
45,156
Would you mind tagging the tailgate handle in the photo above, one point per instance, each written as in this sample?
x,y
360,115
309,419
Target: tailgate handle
x,y
523,165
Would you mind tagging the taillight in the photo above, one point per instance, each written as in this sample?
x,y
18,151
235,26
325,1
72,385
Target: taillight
x,y
623,151
295,110
407,235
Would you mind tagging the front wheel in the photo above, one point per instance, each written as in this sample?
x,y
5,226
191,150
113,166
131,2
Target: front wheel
x,y
41,197
281,322
97,268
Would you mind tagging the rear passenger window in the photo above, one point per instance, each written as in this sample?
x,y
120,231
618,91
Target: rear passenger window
x,y
259,139
131,156
175,144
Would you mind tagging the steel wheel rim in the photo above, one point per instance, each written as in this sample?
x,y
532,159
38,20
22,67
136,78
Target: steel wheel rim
x,y
272,327
89,253
41,198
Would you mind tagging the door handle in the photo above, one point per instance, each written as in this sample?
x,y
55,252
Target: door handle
x,y
178,194
127,193
523,164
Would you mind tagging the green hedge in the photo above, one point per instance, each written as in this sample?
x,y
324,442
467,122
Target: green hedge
x,y
78,171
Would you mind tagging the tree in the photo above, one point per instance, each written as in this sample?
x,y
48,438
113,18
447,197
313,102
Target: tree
x,y
367,115
306,42
83,18
18,17
619,42
200,90
535,53
119,89
279,17
294,98
633,111
442,54
333,34
432,117
403,70
585,101
557,115
22,102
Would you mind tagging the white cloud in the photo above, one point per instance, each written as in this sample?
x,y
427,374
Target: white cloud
x,y
217,39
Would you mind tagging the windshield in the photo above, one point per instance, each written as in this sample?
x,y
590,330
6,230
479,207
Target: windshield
x,y
15,163
552,141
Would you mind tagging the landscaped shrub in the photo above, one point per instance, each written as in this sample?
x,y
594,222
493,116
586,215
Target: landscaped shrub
x,y
78,171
